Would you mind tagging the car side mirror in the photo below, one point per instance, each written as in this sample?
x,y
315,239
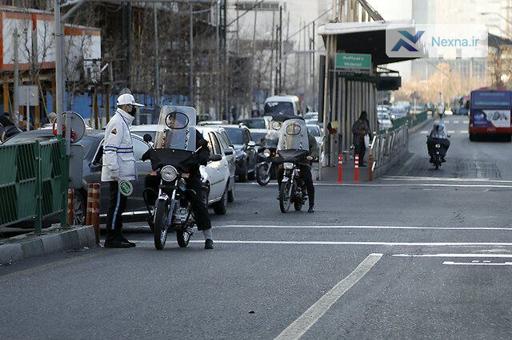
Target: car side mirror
x,y
229,152
215,158
251,144
147,138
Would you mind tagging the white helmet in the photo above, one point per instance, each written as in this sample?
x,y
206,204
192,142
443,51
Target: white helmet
x,y
127,99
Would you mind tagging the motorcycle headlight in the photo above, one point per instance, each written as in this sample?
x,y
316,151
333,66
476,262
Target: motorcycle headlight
x,y
267,153
169,173
288,166
438,146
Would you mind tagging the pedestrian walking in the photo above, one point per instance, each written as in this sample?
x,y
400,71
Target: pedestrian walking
x,y
119,168
360,130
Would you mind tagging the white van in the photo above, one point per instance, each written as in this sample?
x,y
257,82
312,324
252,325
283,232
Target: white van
x,y
289,105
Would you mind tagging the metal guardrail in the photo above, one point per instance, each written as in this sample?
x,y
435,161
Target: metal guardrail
x,y
33,182
388,146
410,120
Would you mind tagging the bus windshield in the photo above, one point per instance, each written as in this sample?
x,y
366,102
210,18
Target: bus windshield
x,y
499,100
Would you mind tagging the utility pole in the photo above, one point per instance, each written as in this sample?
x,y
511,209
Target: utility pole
x,y
272,89
191,79
280,84
157,59
15,109
59,79
285,53
253,57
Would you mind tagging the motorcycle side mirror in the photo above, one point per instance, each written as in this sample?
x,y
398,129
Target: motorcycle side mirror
x,y
449,136
251,144
215,158
147,138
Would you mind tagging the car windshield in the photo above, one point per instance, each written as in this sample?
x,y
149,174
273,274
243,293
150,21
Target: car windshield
x,y
236,136
314,131
257,123
279,108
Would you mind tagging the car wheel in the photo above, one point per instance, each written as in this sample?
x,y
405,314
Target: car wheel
x,y
231,195
220,207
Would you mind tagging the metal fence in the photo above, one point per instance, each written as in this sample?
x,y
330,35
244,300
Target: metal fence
x,y
410,120
388,147
33,182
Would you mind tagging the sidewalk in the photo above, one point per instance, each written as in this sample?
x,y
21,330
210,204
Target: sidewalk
x,y
330,174
52,240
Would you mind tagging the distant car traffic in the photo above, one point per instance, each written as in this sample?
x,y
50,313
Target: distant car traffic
x,y
256,123
384,120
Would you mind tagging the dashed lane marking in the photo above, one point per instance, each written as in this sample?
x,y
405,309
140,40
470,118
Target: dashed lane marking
x,y
300,326
443,179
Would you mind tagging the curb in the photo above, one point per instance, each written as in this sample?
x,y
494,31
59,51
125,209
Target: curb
x,y
54,240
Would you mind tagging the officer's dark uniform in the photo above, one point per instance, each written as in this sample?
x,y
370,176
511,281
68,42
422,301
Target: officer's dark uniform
x,y
199,206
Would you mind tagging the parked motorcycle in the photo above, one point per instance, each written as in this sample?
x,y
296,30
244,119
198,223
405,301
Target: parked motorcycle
x,y
265,170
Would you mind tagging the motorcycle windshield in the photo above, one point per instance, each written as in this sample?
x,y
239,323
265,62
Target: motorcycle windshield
x,y
179,128
293,135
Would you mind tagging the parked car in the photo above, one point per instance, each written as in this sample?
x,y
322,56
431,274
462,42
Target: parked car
x,y
219,176
245,151
384,120
315,131
92,143
398,112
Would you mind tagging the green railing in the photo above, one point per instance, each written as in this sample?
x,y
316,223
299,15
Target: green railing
x,y
33,182
411,120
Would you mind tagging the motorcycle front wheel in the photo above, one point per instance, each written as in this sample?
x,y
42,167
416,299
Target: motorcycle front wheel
x,y
285,197
183,238
263,174
161,224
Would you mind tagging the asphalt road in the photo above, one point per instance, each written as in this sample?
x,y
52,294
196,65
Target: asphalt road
x,y
418,254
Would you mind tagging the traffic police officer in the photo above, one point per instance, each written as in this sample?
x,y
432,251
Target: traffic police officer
x,y
118,167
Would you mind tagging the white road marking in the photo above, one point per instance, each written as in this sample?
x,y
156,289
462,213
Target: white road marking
x,y
397,185
451,132
451,263
443,179
456,255
255,226
300,326
464,132
357,243
456,121
424,132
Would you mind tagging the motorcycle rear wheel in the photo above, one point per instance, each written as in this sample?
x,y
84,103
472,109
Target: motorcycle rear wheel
x,y
160,226
263,174
284,197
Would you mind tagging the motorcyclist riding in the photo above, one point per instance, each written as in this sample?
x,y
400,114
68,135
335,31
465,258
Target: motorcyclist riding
x,y
184,136
438,135
303,141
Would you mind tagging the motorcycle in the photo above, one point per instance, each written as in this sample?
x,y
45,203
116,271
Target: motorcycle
x,y
436,158
172,211
292,189
265,170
